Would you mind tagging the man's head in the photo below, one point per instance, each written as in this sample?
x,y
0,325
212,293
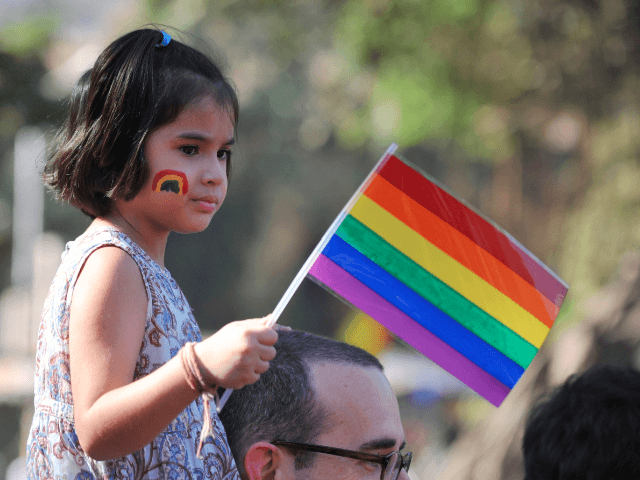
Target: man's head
x,y
589,428
317,391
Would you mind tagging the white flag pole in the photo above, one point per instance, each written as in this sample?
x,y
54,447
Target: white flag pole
x,y
315,254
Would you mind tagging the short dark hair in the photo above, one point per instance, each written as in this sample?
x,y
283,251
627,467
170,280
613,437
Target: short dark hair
x,y
282,404
78,102
588,428
134,87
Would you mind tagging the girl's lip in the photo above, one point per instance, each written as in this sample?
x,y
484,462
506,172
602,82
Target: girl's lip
x,y
206,205
207,199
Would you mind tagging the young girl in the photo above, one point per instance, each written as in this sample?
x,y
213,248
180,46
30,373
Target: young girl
x,y
121,365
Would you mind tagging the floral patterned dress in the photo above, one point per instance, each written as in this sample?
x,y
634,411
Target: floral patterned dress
x,y
53,451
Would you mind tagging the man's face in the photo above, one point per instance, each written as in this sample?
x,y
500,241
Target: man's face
x,y
363,416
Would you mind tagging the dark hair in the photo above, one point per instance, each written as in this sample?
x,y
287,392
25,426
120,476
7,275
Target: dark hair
x,y
78,103
282,404
588,428
134,87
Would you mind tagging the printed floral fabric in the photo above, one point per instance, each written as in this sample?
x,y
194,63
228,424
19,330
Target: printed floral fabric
x,y
53,451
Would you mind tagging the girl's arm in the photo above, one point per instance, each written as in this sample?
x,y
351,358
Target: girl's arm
x,y
115,416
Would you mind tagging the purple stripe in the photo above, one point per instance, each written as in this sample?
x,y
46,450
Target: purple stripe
x,y
409,330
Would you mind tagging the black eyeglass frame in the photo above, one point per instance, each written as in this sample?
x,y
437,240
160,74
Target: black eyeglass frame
x,y
405,459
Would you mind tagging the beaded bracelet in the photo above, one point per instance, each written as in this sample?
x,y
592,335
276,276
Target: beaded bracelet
x,y
194,378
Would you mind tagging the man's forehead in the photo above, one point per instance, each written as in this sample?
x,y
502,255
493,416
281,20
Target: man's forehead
x,y
340,376
362,408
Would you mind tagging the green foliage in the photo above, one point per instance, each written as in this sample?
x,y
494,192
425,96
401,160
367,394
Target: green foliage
x,y
481,82
419,107
29,36
421,54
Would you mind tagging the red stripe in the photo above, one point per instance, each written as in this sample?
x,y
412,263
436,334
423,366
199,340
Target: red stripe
x,y
163,173
473,226
461,248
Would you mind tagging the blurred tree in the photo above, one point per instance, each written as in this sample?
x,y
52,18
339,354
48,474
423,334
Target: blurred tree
x,y
20,104
608,333
528,109
516,106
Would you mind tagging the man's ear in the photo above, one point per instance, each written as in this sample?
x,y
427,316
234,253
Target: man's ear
x,y
262,461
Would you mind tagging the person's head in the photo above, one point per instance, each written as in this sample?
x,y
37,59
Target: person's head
x,y
317,391
587,429
136,87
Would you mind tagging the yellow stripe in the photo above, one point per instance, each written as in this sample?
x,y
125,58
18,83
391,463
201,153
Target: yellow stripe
x,y
458,277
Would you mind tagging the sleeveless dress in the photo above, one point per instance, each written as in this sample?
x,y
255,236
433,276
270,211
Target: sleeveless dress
x,y
53,451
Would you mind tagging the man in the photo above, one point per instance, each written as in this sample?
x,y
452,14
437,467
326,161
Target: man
x,y
323,410
588,429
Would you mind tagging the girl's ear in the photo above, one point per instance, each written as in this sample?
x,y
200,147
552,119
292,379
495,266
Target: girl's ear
x,y
263,461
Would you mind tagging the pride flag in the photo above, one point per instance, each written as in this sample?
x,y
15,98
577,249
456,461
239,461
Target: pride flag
x,y
441,277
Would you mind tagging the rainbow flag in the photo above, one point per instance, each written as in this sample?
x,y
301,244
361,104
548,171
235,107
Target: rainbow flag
x,y
441,277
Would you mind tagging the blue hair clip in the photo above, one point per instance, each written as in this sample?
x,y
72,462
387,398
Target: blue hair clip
x,y
166,38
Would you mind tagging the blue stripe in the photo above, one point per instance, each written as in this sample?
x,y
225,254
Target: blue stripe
x,y
424,312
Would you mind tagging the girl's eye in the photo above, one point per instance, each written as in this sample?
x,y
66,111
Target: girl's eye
x,y
189,150
224,154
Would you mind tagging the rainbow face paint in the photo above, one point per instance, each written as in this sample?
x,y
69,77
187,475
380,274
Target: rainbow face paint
x,y
170,181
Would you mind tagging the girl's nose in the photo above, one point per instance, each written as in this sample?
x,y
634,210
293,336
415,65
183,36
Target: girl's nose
x,y
215,172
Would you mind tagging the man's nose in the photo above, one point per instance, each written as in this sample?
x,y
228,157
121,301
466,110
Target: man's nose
x,y
403,475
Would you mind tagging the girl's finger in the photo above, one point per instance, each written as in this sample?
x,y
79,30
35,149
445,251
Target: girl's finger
x,y
261,367
268,337
251,379
283,328
267,354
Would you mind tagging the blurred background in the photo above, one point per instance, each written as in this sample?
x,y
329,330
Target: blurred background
x,y
527,109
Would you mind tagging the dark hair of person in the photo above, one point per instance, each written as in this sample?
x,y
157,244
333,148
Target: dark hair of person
x,y
282,404
588,428
133,88
78,102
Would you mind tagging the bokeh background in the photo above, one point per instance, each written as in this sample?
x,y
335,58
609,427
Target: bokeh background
x,y
527,109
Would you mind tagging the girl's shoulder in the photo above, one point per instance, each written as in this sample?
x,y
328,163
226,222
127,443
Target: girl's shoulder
x,y
95,237
104,236
90,240
90,250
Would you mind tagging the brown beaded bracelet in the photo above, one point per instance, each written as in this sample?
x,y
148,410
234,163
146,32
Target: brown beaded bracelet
x,y
194,378
192,371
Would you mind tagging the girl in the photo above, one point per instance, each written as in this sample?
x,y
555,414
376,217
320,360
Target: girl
x,y
121,365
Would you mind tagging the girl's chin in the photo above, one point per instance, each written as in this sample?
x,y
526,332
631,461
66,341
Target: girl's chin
x,y
195,227
191,223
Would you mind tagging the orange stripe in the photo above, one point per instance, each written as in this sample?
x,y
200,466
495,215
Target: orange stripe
x,y
462,249
170,177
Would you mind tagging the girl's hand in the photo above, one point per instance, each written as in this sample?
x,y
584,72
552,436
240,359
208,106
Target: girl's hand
x,y
238,353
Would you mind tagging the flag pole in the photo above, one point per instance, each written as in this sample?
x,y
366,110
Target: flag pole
x,y
284,301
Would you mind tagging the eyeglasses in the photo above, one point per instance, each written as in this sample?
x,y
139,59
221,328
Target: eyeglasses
x,y
392,463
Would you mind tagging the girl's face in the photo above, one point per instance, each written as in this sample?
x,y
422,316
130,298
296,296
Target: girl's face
x,y
187,161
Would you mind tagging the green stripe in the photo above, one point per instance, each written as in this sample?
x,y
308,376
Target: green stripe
x,y
435,291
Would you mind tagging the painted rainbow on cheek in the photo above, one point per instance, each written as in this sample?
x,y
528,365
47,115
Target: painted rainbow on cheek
x,y
170,181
